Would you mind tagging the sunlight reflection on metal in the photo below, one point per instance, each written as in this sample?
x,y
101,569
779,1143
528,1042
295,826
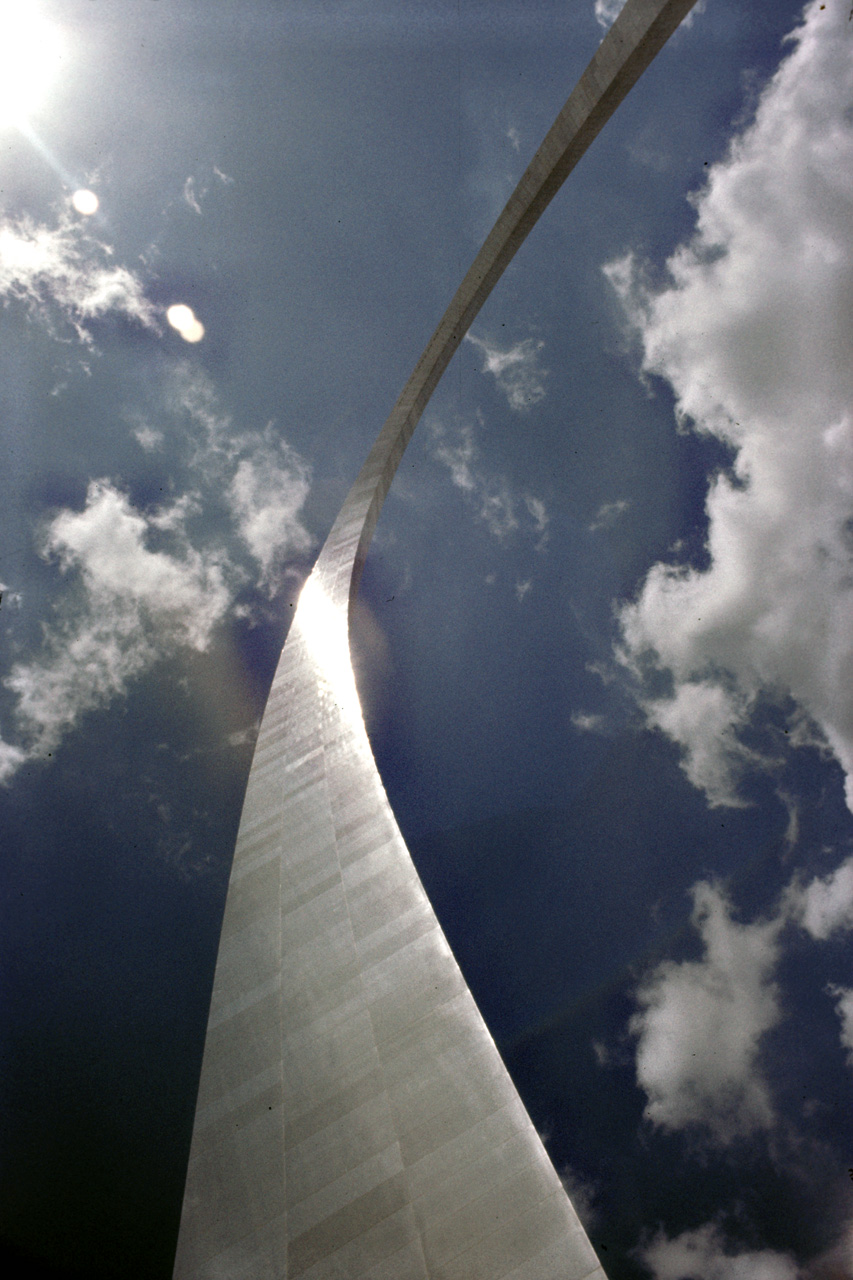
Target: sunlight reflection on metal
x,y
325,628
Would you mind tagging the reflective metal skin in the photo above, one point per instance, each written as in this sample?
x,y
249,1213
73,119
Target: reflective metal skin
x,y
354,1117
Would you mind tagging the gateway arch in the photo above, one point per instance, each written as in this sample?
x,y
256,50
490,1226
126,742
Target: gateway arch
x,y
354,1117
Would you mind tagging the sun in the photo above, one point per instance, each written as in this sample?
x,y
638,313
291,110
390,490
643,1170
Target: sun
x,y
31,53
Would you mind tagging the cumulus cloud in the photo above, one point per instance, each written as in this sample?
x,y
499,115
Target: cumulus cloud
x,y
700,1022
133,605
141,586
703,717
489,495
706,1254
825,905
516,370
751,330
62,272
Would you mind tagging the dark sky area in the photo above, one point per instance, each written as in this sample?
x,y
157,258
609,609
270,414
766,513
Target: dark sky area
x,y
604,639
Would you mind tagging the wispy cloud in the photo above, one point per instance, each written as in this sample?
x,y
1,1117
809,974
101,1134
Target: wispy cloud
x,y
699,1026
65,275
748,332
266,495
844,1008
583,1193
264,480
517,370
606,11
585,722
488,494
608,514
190,196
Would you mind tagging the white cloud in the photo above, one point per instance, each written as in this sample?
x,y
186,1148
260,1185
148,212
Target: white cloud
x,y
11,759
190,196
607,514
62,270
266,495
143,586
700,1023
606,11
582,1192
489,495
705,1254
148,438
456,454
516,370
140,589
539,515
264,480
752,334
586,722
825,906
837,1262
134,605
844,1008
703,716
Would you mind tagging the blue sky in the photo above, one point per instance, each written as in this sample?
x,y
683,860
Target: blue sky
x,y
603,636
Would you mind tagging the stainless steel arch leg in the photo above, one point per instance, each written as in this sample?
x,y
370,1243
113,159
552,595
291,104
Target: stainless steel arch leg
x,y
354,1117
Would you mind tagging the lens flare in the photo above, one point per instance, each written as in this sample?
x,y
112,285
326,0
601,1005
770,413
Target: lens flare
x,y
31,53
183,318
85,202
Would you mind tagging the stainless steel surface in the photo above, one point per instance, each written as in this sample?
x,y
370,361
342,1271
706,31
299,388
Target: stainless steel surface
x,y
354,1117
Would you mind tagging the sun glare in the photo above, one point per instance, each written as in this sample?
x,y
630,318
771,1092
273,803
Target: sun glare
x,y
183,318
31,52
85,202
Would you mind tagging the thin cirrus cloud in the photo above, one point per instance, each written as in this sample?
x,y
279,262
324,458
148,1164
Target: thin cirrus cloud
x,y
608,514
488,494
748,333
